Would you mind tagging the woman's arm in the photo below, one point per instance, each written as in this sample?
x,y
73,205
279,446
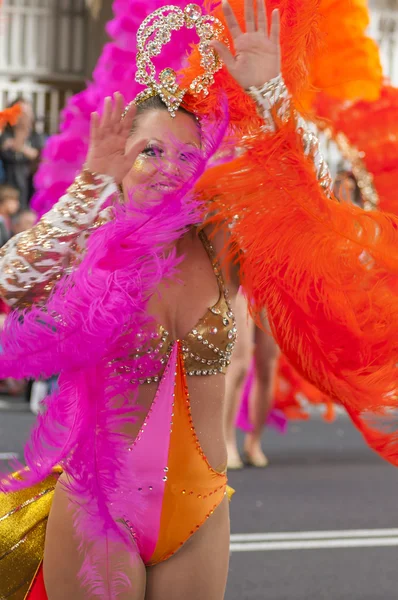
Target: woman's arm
x,y
32,261
274,102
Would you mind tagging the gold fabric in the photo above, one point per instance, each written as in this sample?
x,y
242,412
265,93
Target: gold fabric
x,y
33,261
23,520
230,492
208,347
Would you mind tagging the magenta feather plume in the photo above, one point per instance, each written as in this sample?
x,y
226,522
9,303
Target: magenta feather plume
x,y
87,331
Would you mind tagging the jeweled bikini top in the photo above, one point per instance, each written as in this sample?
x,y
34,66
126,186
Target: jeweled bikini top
x,y
208,347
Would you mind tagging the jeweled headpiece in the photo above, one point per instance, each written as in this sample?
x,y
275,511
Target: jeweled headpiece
x,y
156,31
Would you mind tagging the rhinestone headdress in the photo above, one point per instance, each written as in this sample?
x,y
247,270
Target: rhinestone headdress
x,y
156,31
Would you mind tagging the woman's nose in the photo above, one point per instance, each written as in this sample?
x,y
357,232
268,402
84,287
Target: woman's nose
x,y
172,167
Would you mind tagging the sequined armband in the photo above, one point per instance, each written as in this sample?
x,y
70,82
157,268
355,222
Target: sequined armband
x,y
273,99
32,261
272,95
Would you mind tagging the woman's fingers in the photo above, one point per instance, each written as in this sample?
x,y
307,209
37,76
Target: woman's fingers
x,y
262,21
135,149
275,27
231,20
128,117
107,113
94,125
118,108
249,16
224,53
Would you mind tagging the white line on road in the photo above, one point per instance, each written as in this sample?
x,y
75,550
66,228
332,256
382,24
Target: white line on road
x,y
313,535
311,540
314,544
8,455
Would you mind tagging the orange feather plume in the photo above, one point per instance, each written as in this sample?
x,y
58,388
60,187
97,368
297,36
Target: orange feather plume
x,y
322,270
291,389
348,67
9,116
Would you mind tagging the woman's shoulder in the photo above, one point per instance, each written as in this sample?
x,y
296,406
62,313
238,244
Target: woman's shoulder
x,y
222,243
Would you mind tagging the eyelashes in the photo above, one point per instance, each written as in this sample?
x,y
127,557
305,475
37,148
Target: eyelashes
x,y
154,151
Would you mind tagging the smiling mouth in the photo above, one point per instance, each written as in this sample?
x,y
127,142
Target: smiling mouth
x,y
164,187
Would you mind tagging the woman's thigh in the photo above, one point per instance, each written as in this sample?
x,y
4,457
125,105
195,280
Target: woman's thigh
x,y
199,570
245,326
63,561
266,351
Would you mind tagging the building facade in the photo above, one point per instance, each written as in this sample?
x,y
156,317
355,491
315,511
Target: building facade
x,y
384,29
48,49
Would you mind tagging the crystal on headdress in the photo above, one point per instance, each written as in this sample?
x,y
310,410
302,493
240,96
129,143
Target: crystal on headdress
x,y
154,32
168,77
193,13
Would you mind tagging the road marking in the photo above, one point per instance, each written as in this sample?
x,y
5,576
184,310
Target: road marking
x,y
314,545
311,540
14,406
313,535
8,455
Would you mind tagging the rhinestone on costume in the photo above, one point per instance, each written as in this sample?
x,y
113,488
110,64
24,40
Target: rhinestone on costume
x,y
168,77
163,37
155,31
193,12
214,330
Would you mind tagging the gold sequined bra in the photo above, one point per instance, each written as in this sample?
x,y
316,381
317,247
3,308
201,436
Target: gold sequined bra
x,y
208,347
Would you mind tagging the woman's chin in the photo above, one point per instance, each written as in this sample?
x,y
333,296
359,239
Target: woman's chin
x,y
150,196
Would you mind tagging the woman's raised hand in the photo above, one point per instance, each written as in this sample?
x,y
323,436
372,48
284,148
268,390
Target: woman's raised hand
x,y
107,154
257,50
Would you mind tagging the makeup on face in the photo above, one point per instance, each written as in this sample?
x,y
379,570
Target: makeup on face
x,y
170,155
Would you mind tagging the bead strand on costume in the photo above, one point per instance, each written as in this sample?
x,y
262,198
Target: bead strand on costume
x,y
153,353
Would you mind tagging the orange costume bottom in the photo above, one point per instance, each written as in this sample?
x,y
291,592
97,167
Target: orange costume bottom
x,y
181,497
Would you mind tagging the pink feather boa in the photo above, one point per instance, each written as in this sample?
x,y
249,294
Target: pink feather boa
x,y
87,331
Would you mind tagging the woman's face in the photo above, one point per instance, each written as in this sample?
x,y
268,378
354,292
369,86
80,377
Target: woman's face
x,y
166,162
26,119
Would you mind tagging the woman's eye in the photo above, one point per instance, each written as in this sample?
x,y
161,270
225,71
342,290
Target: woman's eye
x,y
187,156
153,152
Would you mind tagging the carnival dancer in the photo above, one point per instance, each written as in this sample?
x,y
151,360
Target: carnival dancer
x,y
127,299
250,381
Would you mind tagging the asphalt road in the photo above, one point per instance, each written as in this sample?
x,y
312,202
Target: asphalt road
x,y
320,523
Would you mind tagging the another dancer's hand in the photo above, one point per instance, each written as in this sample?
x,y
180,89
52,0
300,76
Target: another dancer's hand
x,y
257,51
107,153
